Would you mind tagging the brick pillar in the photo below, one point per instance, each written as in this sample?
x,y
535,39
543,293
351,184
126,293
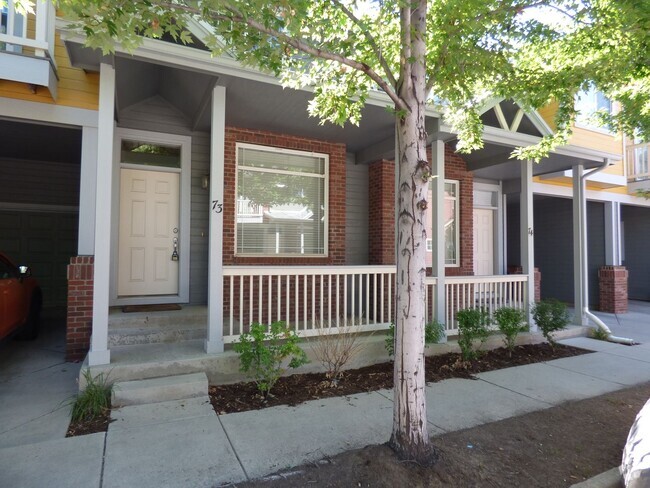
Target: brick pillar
x,y
80,307
381,213
537,276
613,289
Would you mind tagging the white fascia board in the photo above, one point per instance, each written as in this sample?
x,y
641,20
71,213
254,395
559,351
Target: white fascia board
x,y
592,195
499,136
587,153
48,113
600,177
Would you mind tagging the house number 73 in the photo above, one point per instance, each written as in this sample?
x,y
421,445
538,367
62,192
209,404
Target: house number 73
x,y
217,207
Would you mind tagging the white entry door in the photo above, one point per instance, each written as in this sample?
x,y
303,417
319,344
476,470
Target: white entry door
x,y
483,241
149,224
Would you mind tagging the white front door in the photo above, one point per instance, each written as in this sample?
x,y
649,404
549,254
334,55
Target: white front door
x,y
483,241
148,228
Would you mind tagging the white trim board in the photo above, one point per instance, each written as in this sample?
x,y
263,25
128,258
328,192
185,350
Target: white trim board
x,y
600,177
47,112
593,195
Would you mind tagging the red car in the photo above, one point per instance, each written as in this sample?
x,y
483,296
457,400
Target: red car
x,y
20,300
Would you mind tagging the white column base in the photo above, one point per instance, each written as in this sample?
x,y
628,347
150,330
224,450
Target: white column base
x,y
98,358
214,347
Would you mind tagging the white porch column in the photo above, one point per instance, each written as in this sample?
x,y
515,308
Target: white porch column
x,y
87,191
214,341
437,185
612,233
99,353
579,245
527,238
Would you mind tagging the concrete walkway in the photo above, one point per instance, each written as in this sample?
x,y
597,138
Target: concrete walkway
x,y
184,443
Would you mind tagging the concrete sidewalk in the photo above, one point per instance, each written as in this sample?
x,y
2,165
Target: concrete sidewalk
x,y
184,443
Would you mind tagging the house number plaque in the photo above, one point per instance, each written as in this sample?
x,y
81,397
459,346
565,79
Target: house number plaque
x,y
217,207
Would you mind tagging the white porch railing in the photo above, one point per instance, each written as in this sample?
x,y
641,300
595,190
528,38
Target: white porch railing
x,y
308,298
487,292
343,298
15,36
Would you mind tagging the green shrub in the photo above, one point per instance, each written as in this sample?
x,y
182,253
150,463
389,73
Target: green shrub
x,y
266,352
510,321
599,334
94,400
550,315
472,326
433,333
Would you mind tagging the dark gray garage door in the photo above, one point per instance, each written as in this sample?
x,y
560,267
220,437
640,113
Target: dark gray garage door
x,y
45,241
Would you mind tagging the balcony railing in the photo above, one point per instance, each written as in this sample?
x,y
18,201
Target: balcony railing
x,y
310,299
30,35
638,162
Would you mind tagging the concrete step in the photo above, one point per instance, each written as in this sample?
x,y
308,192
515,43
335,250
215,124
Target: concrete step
x,y
125,329
155,390
189,315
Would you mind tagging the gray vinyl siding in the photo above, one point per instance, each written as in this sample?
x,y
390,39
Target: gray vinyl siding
x,y
636,235
553,224
39,182
356,214
157,115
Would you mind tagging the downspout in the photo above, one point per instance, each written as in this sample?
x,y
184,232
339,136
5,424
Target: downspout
x,y
585,291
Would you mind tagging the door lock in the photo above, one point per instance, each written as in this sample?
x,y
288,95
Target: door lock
x,y
175,252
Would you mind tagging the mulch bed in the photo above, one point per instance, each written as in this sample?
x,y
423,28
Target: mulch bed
x,y
83,427
299,388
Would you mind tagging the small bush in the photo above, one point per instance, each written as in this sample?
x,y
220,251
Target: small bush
x,y
550,315
94,400
472,326
335,350
510,321
434,332
266,352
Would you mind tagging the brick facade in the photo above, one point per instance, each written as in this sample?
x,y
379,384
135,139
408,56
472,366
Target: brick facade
x,y
613,289
80,307
336,210
538,280
381,212
381,224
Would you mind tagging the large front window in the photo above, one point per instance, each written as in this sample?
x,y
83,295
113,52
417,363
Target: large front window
x,y
281,202
451,228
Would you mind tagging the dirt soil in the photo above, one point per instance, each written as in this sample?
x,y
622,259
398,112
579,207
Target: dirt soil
x,y
299,388
551,448
90,426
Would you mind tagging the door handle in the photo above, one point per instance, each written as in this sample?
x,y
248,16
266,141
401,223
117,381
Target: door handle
x,y
175,252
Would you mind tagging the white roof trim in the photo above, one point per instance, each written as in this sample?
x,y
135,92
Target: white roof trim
x,y
537,120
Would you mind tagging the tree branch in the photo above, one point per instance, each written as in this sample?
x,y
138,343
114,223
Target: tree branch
x,y
297,43
371,40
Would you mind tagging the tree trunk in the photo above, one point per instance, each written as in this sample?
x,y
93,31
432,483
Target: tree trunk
x,y
410,438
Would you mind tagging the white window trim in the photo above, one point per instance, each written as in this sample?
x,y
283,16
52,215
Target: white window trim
x,y
456,184
324,176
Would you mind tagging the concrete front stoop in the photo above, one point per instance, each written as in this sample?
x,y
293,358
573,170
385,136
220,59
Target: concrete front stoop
x,y
155,390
